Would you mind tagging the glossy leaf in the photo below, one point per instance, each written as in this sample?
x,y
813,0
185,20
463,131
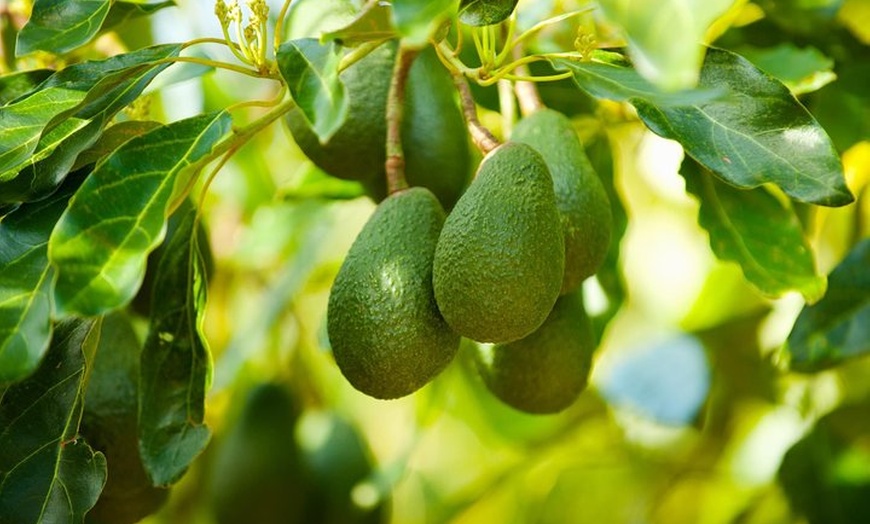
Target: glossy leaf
x,y
24,121
15,85
838,326
418,20
59,26
311,72
374,23
25,284
609,76
113,138
758,133
757,230
46,473
175,363
665,36
101,242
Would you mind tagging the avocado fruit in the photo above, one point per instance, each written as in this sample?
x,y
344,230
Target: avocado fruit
x,y
500,258
546,371
109,424
485,12
387,335
434,139
580,196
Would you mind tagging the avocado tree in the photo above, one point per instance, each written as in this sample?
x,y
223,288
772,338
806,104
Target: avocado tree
x,y
430,261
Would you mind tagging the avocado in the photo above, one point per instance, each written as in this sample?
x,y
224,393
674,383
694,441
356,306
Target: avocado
x,y
386,332
109,424
485,12
258,472
580,196
500,257
434,138
545,371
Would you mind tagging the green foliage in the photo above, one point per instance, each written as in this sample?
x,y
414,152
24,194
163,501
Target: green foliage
x,y
501,255
114,189
386,332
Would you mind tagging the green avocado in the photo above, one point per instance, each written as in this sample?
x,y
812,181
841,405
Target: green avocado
x,y
387,335
434,138
500,257
109,424
485,12
580,196
545,371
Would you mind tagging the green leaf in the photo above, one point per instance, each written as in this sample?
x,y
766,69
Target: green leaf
x,y
122,11
374,23
802,70
176,364
15,85
46,473
59,26
311,72
665,36
101,242
837,328
113,138
418,20
609,76
25,284
757,230
24,121
107,86
759,133
843,107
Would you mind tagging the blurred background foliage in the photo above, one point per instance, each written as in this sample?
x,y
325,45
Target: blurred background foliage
x,y
691,416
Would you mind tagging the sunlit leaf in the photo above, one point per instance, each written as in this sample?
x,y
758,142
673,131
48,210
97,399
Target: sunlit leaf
x,y
374,23
311,18
25,284
311,72
758,231
758,133
838,326
24,121
417,20
15,85
802,70
101,242
608,76
46,473
176,365
665,37
113,138
58,26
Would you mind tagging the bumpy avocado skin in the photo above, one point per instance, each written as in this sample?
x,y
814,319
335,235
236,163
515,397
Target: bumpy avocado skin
x,y
433,130
580,196
386,332
545,371
485,12
500,258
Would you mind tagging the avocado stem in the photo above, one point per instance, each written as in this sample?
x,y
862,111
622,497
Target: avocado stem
x,y
480,135
527,92
395,164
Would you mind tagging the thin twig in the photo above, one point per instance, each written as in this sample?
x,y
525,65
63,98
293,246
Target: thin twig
x,y
482,137
527,92
395,164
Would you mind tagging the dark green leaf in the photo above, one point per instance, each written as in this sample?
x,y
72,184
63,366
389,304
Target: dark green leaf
x,y
664,36
15,85
176,365
838,326
311,72
113,138
24,121
760,232
759,133
25,284
418,20
374,23
843,107
122,11
46,473
101,242
58,26
608,76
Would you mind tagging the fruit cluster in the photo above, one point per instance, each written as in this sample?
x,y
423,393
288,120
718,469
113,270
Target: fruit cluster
x,y
502,268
